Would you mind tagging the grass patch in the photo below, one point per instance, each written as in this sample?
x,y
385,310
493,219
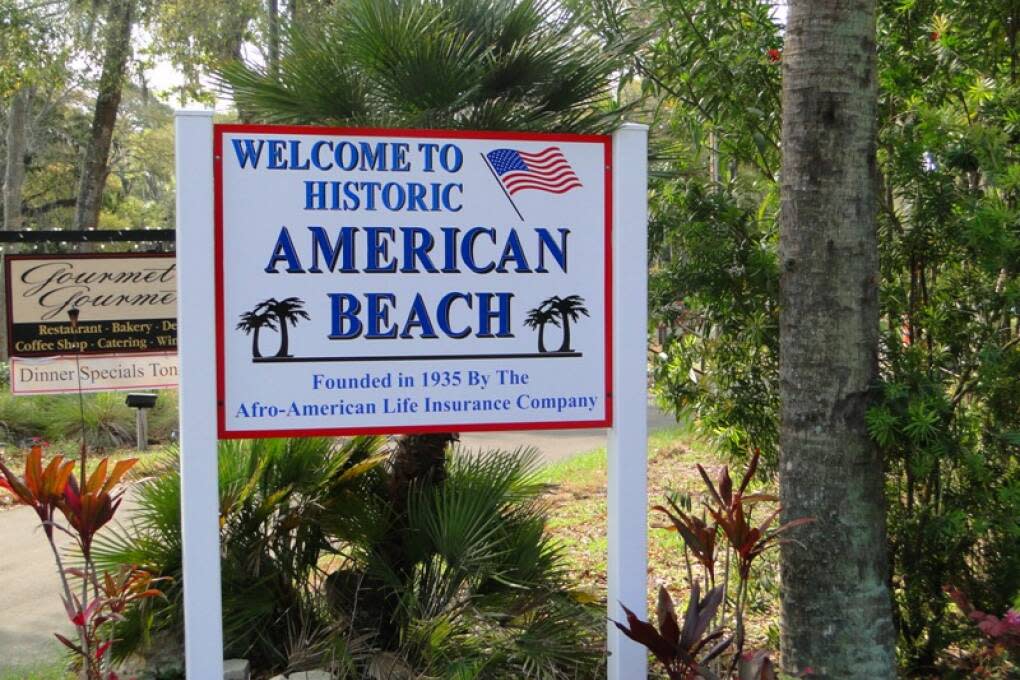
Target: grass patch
x,y
48,670
578,520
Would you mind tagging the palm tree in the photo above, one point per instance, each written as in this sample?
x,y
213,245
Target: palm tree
x,y
287,312
570,309
470,64
251,323
538,318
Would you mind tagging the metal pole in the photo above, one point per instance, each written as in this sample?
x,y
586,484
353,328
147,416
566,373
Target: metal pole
x,y
203,618
628,438
141,429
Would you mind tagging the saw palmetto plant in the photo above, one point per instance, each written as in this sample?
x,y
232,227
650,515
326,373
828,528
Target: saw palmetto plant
x,y
321,568
470,64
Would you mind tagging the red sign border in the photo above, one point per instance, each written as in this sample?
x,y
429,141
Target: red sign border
x,y
221,129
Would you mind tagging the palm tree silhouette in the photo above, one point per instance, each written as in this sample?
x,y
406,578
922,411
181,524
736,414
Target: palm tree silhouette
x,y
288,312
538,318
570,309
251,323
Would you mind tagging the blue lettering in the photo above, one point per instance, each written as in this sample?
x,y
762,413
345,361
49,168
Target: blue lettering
x,y
393,203
418,317
344,245
276,161
317,155
379,250
352,156
416,197
415,252
284,250
558,252
450,250
251,151
467,249
295,153
315,195
344,309
486,314
513,251
428,149
445,160
379,313
351,199
446,196
444,314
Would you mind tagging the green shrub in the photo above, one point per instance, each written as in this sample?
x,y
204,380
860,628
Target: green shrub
x,y
22,417
164,418
322,566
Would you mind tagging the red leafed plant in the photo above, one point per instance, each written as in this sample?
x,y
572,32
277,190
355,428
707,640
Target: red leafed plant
x,y
112,594
1002,634
53,490
727,511
683,652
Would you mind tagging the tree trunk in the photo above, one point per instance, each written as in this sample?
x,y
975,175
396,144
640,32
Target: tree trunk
x,y
273,19
836,608
95,163
17,147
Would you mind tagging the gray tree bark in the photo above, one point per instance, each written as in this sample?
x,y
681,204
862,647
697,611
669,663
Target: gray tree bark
x,y
95,163
273,19
14,167
836,607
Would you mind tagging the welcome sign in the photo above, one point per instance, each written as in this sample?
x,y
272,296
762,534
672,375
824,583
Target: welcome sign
x,y
127,302
397,281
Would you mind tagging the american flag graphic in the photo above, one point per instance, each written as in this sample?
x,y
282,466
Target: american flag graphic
x,y
546,170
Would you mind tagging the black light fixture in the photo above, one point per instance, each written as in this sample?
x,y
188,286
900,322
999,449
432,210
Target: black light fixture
x,y
72,314
140,400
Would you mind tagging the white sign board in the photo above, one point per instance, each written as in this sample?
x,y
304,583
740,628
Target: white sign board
x,y
93,373
401,281
424,260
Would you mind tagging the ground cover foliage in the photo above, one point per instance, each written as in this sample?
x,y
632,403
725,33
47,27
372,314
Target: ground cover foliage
x,y
109,422
323,567
946,414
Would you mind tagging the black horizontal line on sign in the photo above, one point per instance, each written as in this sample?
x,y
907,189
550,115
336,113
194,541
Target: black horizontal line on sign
x,y
416,357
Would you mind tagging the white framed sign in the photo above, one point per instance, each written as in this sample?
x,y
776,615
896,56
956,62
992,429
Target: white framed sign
x,y
69,374
400,199
127,303
388,281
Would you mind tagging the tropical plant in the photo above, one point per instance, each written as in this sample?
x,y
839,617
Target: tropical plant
x,y
102,598
488,65
684,652
321,569
1001,653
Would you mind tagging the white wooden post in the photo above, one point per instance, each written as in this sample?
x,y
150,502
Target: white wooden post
x,y
628,439
203,617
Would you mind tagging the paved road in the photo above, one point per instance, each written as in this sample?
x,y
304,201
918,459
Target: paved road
x,y
555,445
32,611
30,587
